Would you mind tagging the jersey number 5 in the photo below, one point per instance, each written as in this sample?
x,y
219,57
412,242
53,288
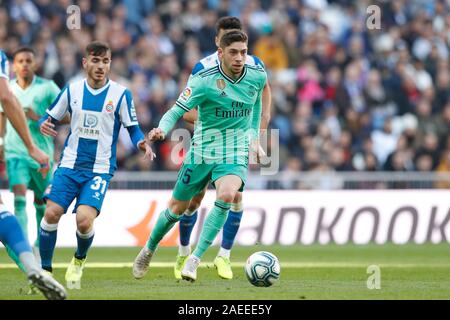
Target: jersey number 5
x,y
187,176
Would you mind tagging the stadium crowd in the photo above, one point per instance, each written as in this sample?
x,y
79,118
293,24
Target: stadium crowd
x,y
346,97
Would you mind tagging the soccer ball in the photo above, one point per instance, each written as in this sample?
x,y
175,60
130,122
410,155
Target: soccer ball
x,y
262,269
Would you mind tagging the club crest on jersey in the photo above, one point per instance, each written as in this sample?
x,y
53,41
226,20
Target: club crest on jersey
x,y
186,94
110,106
220,83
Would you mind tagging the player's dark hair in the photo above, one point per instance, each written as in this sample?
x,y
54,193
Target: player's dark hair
x,y
97,48
232,36
228,23
23,49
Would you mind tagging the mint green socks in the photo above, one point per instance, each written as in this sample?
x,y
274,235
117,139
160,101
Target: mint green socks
x,y
213,224
165,222
40,211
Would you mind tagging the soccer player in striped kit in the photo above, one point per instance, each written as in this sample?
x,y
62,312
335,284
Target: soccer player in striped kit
x,y
98,107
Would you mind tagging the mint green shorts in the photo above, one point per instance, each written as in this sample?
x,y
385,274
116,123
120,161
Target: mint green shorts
x,y
193,178
20,171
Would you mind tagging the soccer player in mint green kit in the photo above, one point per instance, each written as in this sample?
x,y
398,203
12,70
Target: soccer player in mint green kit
x,y
228,97
35,94
189,218
11,234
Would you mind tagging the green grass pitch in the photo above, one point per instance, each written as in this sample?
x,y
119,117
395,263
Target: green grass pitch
x,y
307,272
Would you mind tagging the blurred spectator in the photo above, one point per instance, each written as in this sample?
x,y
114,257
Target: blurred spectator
x,y
444,167
270,49
384,141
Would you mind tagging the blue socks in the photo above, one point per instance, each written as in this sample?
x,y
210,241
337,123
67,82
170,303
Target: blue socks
x,y
47,242
187,224
84,242
231,228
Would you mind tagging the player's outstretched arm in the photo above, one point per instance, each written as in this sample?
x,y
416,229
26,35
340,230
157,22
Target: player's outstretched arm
x,y
14,113
266,105
16,116
167,122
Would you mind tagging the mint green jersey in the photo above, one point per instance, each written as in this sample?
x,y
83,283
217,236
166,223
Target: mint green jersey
x,y
229,113
38,96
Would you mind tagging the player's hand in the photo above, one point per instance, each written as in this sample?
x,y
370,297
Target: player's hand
x,y
257,150
147,149
156,134
41,158
48,128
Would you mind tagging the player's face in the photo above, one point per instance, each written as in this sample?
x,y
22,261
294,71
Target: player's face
x,y
233,57
24,65
97,67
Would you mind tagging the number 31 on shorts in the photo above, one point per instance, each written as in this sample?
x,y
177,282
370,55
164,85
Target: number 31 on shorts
x,y
98,184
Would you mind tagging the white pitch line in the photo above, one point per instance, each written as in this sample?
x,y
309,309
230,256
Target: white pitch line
x,y
241,264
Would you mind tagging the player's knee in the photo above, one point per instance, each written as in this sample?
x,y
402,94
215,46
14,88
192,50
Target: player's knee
x,y
178,207
84,225
195,202
226,195
193,206
52,215
237,198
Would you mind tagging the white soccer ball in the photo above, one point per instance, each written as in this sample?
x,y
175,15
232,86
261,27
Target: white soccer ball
x,y
262,269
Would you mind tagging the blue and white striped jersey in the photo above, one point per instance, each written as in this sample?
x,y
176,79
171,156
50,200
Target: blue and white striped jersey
x,y
213,59
4,66
96,118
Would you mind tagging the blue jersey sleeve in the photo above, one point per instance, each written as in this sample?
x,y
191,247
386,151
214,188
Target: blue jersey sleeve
x,y
197,68
258,62
4,66
127,111
136,134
